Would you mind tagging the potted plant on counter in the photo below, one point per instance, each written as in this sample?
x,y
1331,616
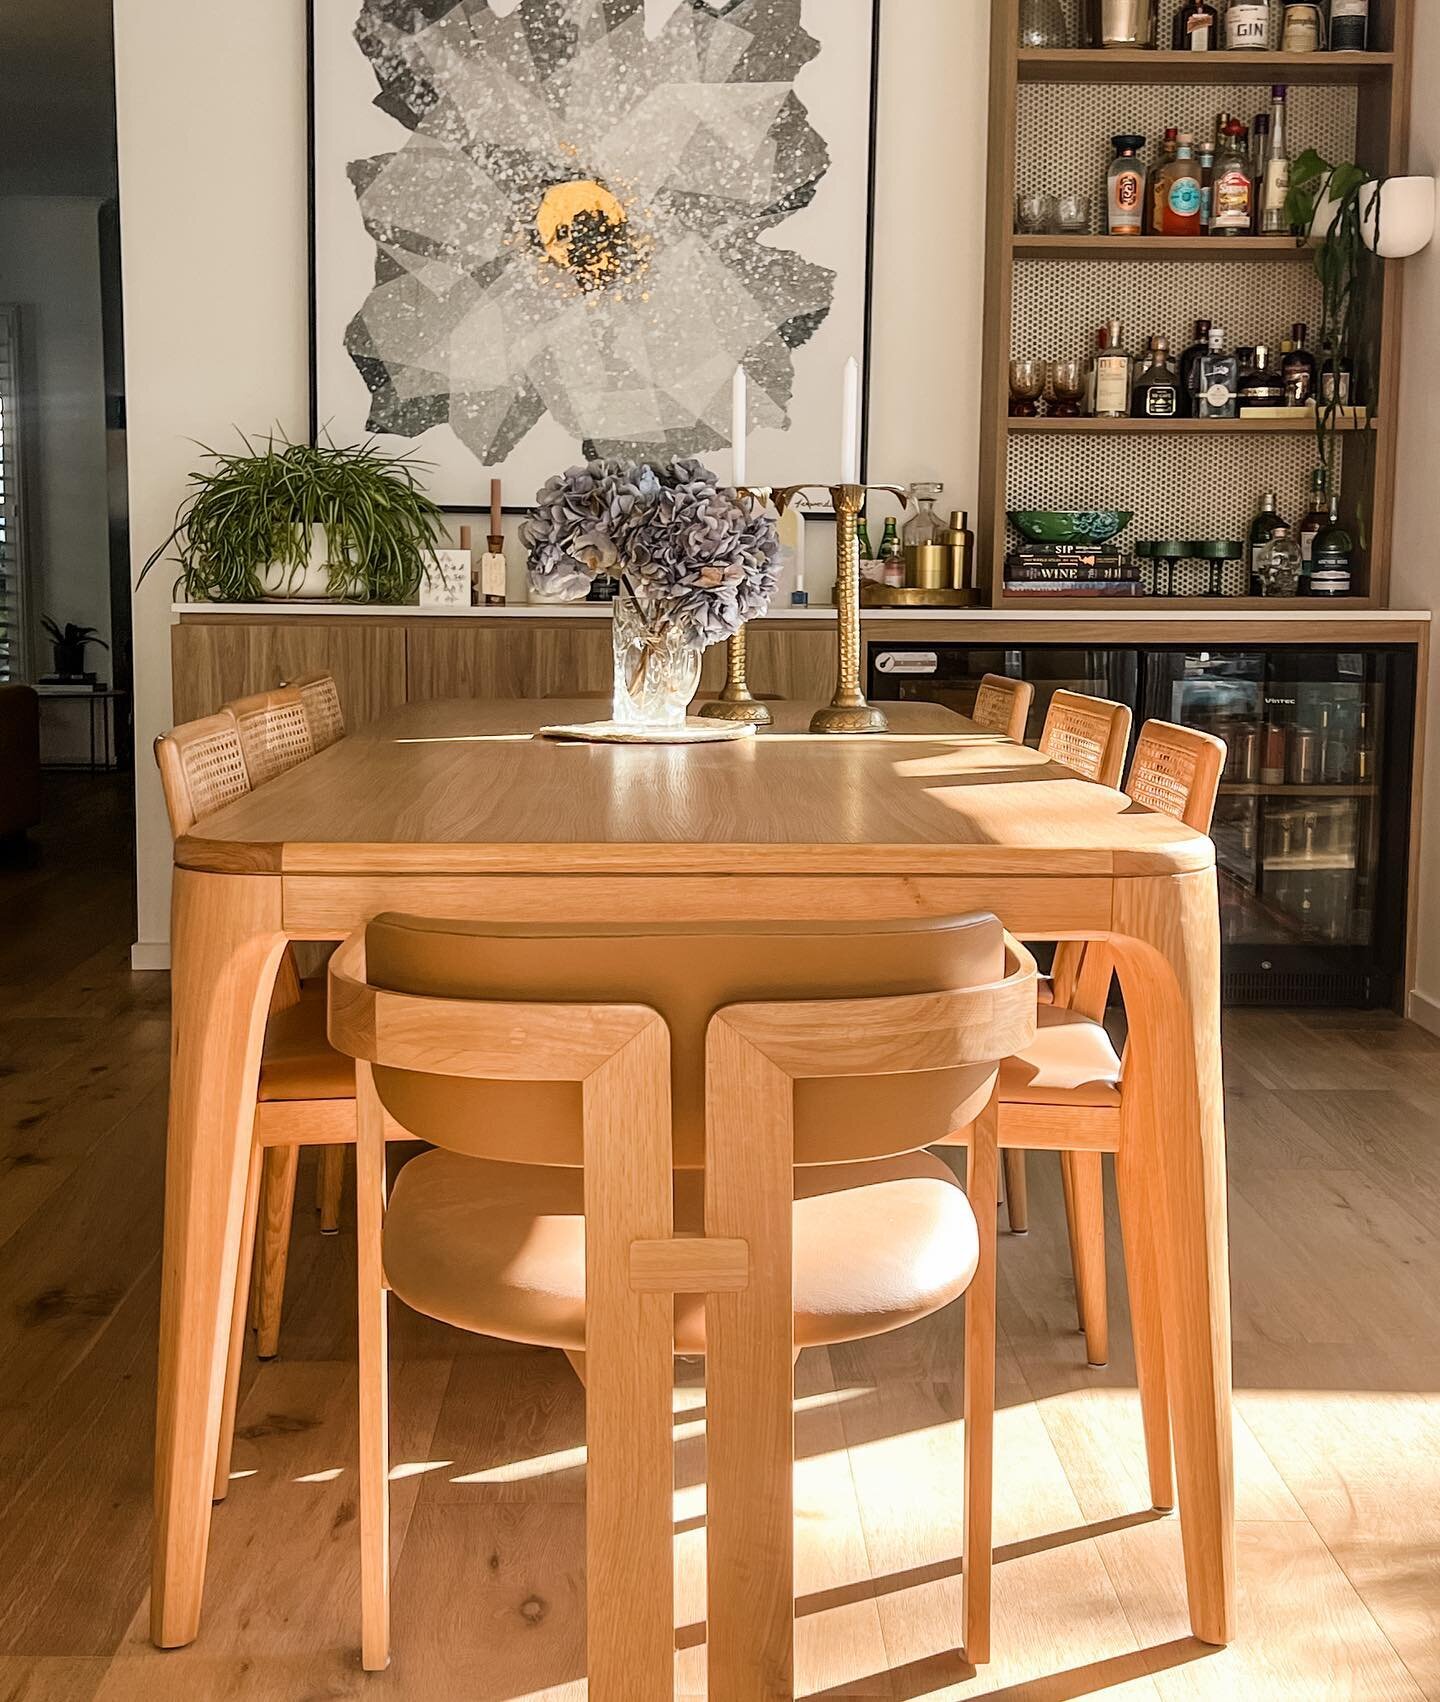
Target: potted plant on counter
x,y
287,521
68,645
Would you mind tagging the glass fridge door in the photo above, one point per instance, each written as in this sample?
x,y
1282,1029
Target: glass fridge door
x,y
1313,816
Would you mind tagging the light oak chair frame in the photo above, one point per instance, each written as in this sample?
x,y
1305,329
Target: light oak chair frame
x,y
1002,705
1089,735
1175,770
635,1265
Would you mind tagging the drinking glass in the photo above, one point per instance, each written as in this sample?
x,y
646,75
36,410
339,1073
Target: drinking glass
x,y
1027,383
1072,214
1042,24
1034,214
1067,386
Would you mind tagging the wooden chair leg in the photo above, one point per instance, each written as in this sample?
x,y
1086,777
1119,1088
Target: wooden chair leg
x,y
331,1180
1084,1178
980,1392
1142,1279
277,1208
374,1376
1017,1191
236,1356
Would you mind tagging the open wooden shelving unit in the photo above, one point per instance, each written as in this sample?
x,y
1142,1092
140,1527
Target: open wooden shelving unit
x,y
1375,85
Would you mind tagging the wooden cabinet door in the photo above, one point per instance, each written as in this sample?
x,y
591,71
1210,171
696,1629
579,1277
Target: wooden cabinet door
x,y
510,658
212,663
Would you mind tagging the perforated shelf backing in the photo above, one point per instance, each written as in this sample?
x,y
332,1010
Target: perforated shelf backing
x,y
1177,486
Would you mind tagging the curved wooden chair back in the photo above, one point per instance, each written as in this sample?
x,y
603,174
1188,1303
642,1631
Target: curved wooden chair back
x,y
202,766
1003,706
323,715
273,731
1176,770
1088,734
635,1265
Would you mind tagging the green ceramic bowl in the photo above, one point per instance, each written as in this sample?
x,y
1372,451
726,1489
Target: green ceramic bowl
x,y
1060,526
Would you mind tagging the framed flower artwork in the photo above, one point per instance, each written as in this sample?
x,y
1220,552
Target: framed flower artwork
x,y
545,231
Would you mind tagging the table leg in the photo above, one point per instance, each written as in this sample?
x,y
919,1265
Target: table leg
x,y
1167,951
226,944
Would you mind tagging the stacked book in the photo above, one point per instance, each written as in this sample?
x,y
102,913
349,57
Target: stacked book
x,y
1071,570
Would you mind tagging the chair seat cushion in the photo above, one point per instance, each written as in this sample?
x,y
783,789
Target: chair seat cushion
x,y
1071,1061
299,1061
499,1248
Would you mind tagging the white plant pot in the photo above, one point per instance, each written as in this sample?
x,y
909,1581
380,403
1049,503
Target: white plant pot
x,y
310,585
1407,216
1326,213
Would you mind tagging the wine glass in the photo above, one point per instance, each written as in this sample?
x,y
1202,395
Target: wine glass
x,y
1027,383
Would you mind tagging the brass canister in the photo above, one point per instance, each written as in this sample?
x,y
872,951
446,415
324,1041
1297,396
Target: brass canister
x,y
927,567
959,551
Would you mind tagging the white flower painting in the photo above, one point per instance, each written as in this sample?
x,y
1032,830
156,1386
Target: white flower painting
x,y
551,230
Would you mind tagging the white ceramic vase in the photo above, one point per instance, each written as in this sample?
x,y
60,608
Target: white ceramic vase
x,y
311,584
1407,216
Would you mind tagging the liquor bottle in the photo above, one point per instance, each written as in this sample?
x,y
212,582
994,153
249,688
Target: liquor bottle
x,y
1157,392
1207,185
1262,529
1275,184
1125,187
1275,569
862,538
1330,557
1247,25
1297,368
1259,155
1166,155
1232,194
1188,363
1177,191
1316,516
891,555
1349,26
1197,27
1303,28
1217,381
1111,375
1260,385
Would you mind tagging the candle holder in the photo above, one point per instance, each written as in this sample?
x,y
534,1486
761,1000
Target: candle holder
x,y
847,711
735,702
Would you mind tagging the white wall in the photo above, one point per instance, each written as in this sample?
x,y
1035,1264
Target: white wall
x,y
210,106
50,264
1415,571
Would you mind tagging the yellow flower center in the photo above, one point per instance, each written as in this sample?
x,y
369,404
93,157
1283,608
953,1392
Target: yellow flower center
x,y
582,228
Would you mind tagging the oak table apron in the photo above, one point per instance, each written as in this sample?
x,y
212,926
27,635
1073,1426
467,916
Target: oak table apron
x,y
456,809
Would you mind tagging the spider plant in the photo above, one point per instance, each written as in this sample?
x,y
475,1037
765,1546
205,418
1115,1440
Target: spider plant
x,y
1348,271
246,527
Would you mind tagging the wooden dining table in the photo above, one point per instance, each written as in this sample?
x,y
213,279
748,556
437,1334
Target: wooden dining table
x,y
458,809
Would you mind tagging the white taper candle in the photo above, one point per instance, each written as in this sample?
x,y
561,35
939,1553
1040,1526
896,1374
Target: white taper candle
x,y
850,425
738,424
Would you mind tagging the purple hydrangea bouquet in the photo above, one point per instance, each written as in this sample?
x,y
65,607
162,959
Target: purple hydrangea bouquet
x,y
693,560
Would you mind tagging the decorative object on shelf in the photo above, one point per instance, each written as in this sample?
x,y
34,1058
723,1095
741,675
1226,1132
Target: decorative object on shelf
x,y
1120,23
1409,216
1027,385
1303,27
550,253
1072,215
68,645
490,578
1217,554
1067,388
297,520
1069,526
446,585
1035,214
692,561
1275,564
1042,24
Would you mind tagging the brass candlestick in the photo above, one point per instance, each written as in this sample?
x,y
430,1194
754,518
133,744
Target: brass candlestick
x,y
847,711
735,702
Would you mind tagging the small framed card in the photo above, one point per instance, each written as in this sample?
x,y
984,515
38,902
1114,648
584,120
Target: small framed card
x,y
445,583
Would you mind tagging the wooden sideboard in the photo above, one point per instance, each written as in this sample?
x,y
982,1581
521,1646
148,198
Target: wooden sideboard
x,y
382,658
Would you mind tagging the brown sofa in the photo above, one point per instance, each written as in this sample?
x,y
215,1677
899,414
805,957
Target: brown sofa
x,y
19,760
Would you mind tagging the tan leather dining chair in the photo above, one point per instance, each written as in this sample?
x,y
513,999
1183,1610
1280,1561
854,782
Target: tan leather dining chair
x,y
273,730
1003,706
574,1082
1066,1091
1090,735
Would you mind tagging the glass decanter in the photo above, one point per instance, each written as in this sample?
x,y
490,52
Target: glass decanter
x,y
924,526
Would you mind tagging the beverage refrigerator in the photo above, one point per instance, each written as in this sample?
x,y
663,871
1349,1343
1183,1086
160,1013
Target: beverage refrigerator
x,y
1313,820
